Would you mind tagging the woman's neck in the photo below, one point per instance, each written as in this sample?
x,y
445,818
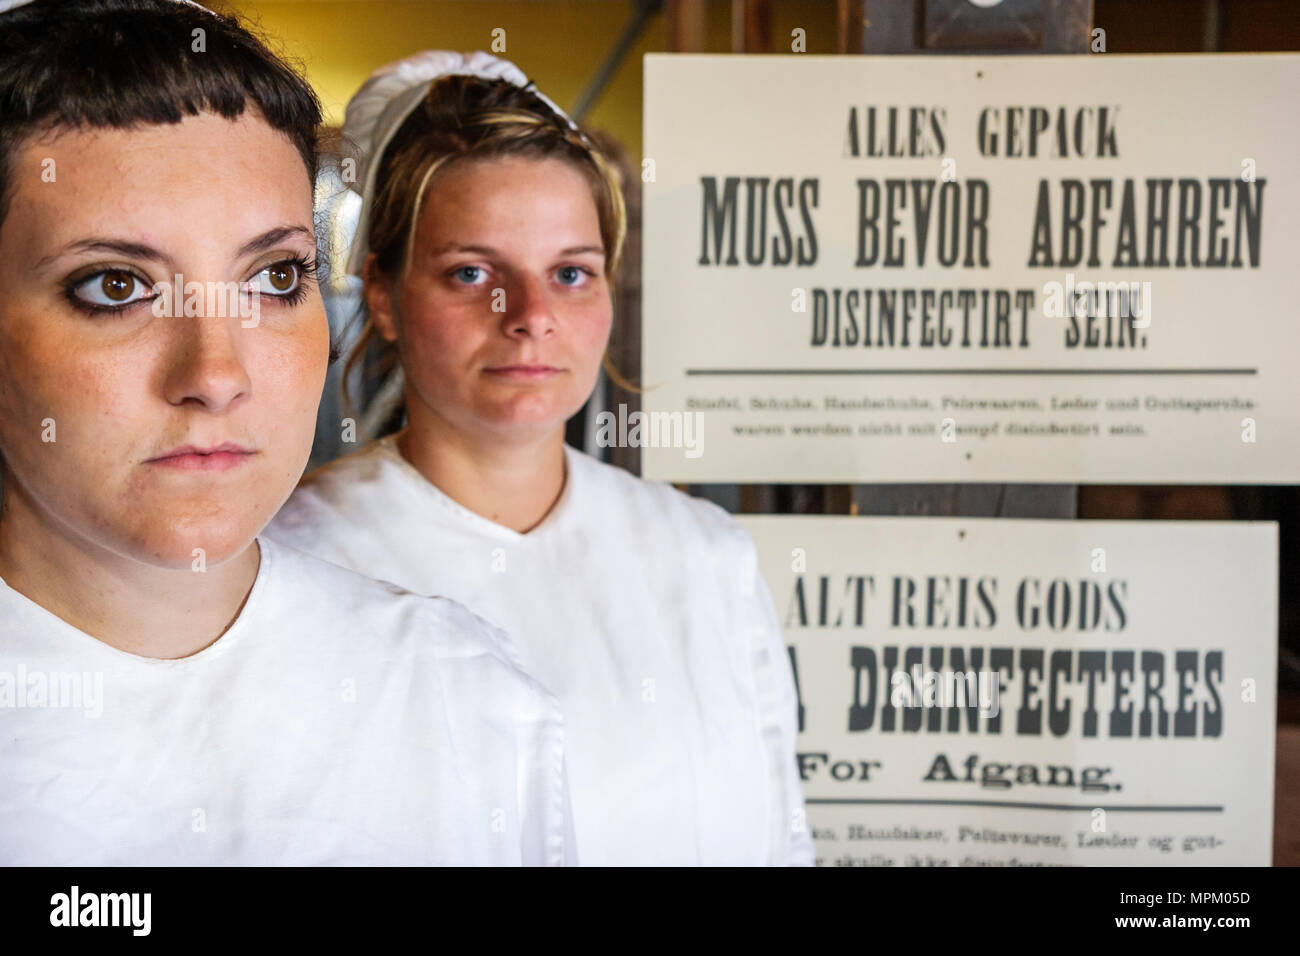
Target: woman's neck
x,y
515,484
126,603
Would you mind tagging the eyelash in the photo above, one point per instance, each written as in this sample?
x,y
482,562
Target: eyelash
x,y
306,274
456,271
583,269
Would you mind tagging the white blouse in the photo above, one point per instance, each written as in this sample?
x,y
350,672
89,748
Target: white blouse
x,y
338,720
641,608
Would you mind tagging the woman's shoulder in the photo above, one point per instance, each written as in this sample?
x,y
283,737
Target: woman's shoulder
x,y
456,672
370,463
395,621
353,489
654,505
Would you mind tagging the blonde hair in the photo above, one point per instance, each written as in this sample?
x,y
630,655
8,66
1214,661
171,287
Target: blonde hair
x,y
469,118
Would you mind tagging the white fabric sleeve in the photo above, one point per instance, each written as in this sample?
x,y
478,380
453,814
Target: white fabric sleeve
x,y
790,836
545,813
547,833
546,816
570,850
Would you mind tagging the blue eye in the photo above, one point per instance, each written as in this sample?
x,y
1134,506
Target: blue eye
x,y
572,275
111,289
468,274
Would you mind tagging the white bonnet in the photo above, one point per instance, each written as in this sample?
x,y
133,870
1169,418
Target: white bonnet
x,y
386,99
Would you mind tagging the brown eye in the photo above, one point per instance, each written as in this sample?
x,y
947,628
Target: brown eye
x,y
111,289
117,286
282,278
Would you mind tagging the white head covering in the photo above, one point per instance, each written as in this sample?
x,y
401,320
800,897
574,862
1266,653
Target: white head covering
x,y
388,97
7,5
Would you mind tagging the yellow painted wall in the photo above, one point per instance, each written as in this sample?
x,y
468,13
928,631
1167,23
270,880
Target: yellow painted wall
x,y
558,43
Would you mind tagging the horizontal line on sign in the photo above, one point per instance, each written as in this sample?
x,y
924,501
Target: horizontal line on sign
x,y
972,371
1018,806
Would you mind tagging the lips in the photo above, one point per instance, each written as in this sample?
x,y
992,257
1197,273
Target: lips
x,y
221,457
523,371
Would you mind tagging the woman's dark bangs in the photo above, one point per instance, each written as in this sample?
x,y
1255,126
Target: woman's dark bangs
x,y
125,63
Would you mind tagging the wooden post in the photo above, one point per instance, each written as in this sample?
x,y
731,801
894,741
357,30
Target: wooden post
x,y
751,32
751,26
848,26
957,26
685,22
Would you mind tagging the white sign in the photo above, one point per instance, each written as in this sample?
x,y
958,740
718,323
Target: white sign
x,y
989,692
1019,268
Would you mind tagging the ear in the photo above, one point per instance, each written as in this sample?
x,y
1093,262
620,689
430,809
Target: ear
x,y
378,293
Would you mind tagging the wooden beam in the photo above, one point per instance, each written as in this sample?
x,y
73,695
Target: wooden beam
x,y
685,20
958,26
751,26
848,26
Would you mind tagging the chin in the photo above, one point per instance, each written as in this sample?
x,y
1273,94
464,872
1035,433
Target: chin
x,y
534,412
190,543
528,425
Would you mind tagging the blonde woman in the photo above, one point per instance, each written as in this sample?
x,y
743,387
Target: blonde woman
x,y
174,688
490,229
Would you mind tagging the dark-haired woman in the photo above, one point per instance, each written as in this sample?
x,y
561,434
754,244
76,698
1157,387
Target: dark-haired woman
x,y
490,228
175,689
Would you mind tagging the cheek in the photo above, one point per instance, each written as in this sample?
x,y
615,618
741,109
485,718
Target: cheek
x,y
440,339
61,396
15,385
292,367
594,330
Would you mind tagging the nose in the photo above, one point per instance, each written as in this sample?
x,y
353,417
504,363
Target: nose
x,y
206,364
529,313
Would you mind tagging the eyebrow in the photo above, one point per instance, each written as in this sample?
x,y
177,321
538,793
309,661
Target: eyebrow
x,y
132,250
138,250
273,237
489,251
